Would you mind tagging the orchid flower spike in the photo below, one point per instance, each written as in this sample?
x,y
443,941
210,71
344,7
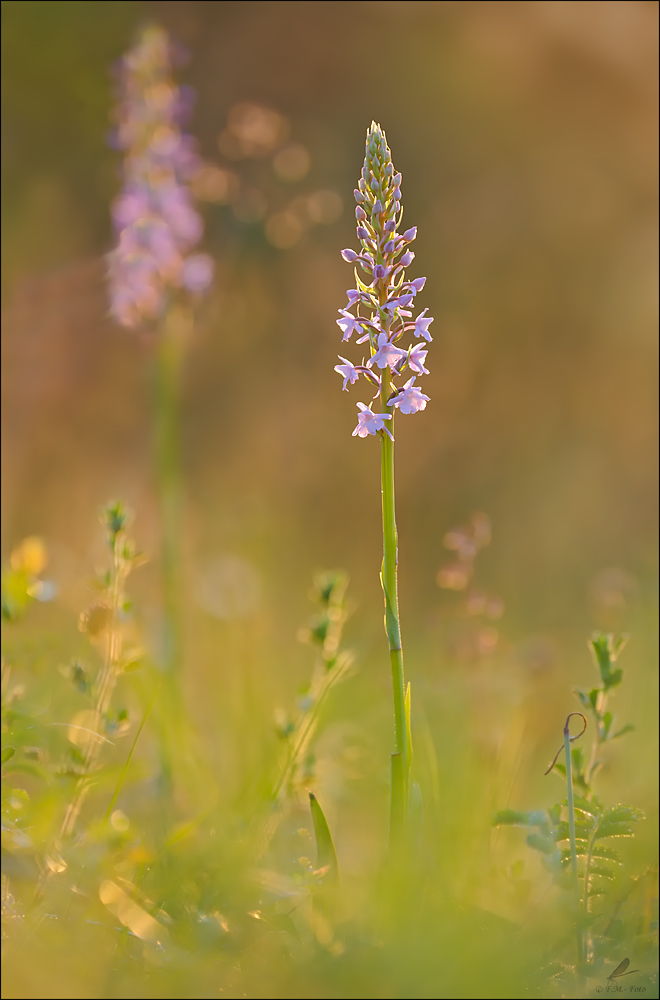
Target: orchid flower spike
x,y
381,306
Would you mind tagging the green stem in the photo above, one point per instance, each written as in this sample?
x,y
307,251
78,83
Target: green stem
x,y
389,584
306,731
587,872
104,688
167,462
571,833
598,713
128,762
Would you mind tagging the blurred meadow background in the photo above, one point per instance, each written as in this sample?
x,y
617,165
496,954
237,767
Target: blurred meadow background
x,y
526,134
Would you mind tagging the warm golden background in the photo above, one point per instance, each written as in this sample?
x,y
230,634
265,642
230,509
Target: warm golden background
x,y
526,134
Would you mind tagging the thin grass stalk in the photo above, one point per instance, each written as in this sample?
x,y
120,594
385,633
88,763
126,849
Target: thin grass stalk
x,y
570,802
296,751
104,688
167,467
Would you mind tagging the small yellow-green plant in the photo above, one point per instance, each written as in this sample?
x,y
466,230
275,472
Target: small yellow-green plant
x,y
575,836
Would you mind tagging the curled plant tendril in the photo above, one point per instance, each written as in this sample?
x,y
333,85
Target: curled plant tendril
x,y
572,739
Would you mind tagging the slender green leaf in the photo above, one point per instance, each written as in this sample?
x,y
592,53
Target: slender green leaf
x,y
409,747
628,728
129,758
326,856
620,643
583,697
510,817
606,650
513,817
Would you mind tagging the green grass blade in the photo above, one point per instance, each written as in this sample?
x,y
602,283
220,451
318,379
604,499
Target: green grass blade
x,y
326,854
128,759
408,730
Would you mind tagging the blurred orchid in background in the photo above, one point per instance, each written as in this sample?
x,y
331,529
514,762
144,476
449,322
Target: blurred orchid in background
x,y
157,229
154,216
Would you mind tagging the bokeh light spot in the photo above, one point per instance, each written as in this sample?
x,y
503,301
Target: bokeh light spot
x,y
292,163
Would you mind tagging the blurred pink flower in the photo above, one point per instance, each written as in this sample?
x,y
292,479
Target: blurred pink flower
x,y
154,216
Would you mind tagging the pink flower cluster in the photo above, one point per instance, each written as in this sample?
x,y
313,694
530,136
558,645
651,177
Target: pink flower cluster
x,y
154,216
383,302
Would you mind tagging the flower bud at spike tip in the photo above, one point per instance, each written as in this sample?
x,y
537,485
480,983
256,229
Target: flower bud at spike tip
x,y
383,300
